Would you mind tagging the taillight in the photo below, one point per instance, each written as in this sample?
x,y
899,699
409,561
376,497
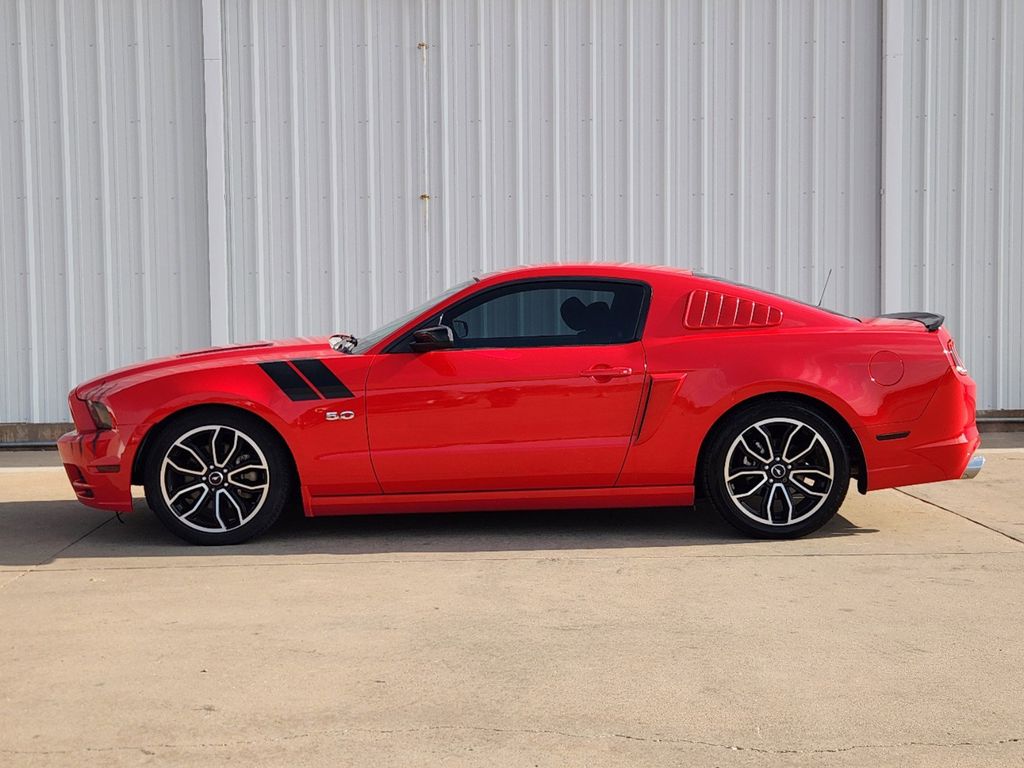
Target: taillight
x,y
954,358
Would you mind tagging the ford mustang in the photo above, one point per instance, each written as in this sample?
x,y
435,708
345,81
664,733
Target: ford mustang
x,y
563,386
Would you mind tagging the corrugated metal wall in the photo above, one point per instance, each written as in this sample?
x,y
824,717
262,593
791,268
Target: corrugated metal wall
x,y
102,193
379,151
955,210
376,151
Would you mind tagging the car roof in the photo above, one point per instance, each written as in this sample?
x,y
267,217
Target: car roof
x,y
586,269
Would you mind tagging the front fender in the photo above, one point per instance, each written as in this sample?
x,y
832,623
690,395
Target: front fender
x,y
330,456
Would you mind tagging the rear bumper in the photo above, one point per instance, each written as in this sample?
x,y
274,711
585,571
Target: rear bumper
x,y
97,468
940,445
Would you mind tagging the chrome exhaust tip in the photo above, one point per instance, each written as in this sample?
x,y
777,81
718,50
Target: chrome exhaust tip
x,y
973,467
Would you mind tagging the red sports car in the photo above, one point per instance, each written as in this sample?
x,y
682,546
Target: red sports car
x,y
581,386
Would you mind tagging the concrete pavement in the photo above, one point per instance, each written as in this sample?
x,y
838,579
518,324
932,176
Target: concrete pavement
x,y
626,638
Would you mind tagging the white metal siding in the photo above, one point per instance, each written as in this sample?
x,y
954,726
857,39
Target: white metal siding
x,y
376,151
956,211
101,193
326,165
366,172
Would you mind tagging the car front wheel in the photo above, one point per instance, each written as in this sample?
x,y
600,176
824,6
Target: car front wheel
x,y
777,470
217,477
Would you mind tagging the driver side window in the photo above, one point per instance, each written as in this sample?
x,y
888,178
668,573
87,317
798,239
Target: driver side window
x,y
549,313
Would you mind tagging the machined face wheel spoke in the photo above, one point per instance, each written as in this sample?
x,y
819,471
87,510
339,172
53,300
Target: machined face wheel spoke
x,y
216,510
761,484
199,503
227,486
195,456
223,493
747,473
231,451
813,481
232,477
793,459
779,494
789,442
185,490
779,471
767,442
808,472
752,452
797,487
213,446
185,470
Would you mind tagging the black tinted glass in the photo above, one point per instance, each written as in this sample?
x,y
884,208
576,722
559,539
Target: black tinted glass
x,y
550,314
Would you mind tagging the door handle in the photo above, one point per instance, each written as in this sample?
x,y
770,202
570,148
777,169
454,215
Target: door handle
x,y
605,372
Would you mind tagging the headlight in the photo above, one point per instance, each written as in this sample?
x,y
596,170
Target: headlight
x,y
101,415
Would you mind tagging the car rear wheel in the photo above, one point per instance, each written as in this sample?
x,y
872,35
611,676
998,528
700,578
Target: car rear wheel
x,y
217,477
777,470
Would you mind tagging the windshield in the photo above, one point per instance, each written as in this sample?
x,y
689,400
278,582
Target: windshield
x,y
366,342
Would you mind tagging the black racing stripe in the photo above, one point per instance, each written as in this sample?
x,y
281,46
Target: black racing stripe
x,y
289,381
320,376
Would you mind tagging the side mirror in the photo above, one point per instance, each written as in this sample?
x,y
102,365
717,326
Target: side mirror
x,y
438,337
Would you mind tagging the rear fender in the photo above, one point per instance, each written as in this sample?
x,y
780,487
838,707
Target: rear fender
x,y
700,376
679,418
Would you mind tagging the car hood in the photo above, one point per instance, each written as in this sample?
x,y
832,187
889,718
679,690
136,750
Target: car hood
x,y
213,357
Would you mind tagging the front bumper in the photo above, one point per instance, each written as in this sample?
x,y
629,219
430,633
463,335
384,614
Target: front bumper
x,y
97,466
973,467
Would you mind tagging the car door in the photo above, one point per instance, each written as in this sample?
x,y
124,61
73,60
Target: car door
x,y
540,391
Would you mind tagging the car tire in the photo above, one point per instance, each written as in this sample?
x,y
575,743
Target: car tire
x,y
777,470
217,476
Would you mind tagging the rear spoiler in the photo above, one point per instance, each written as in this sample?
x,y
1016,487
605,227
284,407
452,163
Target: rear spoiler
x,y
929,320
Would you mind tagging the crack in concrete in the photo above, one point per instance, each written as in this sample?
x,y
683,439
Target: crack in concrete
x,y
149,749
961,515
